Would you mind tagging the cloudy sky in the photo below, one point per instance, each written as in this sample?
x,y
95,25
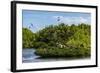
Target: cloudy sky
x,y
37,20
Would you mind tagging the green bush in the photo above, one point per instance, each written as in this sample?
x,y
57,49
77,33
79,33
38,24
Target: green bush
x,y
63,52
60,40
28,38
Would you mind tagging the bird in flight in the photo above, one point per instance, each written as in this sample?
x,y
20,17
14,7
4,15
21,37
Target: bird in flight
x,y
58,19
30,26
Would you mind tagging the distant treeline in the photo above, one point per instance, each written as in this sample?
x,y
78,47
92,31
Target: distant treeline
x,y
60,40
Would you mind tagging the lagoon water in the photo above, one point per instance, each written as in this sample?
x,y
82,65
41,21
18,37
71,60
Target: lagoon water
x,y
29,56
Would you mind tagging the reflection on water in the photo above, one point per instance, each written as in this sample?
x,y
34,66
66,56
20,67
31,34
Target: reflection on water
x,y
29,56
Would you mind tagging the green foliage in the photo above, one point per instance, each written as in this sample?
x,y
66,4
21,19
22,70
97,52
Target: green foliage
x,y
62,52
60,40
28,38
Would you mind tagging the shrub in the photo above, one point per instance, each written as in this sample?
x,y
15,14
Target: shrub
x,y
63,52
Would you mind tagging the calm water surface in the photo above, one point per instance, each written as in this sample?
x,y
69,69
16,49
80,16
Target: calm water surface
x,y
29,56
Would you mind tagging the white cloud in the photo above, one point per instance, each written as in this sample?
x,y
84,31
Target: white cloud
x,y
73,20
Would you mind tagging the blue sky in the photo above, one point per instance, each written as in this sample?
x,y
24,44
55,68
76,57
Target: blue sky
x,y
37,20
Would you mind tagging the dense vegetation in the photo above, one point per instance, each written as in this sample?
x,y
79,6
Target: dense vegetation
x,y
28,38
60,40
